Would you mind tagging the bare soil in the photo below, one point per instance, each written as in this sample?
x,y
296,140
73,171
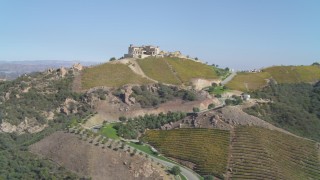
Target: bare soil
x,y
89,160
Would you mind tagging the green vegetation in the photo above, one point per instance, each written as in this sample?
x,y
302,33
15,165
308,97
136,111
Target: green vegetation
x,y
235,100
217,90
259,153
281,74
175,170
294,107
110,75
195,109
17,163
43,95
158,69
132,128
162,94
207,148
108,131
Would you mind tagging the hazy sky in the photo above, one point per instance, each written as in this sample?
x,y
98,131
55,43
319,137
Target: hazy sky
x,y
240,33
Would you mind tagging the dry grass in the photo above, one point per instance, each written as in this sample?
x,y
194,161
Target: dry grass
x,y
110,75
281,74
259,153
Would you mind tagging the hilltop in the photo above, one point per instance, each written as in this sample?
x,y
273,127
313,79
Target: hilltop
x,y
167,70
248,81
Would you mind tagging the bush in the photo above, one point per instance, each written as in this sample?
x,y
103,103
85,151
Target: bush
x,y
175,170
196,109
211,106
122,118
112,59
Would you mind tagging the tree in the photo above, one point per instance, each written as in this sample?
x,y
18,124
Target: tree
x,y
196,109
315,64
196,58
208,177
175,170
211,106
112,59
122,118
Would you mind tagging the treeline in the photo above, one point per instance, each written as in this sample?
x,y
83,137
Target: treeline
x,y
160,94
294,107
132,127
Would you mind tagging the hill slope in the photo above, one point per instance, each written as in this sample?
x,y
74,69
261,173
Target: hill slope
x,y
294,107
281,74
110,75
259,153
176,70
206,148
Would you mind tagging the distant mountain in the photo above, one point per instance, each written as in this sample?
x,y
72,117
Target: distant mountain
x,y
12,69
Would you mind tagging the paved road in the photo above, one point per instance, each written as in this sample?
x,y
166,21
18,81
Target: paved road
x,y
229,78
188,173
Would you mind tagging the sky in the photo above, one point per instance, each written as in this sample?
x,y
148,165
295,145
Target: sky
x,y
240,34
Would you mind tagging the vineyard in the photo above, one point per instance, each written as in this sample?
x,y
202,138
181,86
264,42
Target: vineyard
x,y
259,153
206,148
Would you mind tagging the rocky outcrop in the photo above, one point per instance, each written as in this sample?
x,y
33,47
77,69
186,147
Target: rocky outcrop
x,y
77,67
199,84
62,72
68,107
126,96
27,126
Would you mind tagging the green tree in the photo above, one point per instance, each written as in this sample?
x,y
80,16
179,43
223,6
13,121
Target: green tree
x,y
122,118
112,59
175,170
211,106
196,109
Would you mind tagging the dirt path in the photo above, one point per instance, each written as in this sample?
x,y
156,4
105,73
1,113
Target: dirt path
x,y
134,66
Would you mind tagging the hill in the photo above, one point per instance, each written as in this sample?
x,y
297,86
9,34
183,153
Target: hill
x,y
247,81
176,70
294,107
207,149
110,75
259,153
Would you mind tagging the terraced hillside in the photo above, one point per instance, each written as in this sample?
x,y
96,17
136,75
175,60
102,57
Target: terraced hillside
x,y
206,148
175,70
259,153
110,75
158,69
281,74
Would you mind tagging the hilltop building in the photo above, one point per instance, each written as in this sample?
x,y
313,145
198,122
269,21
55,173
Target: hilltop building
x,y
142,51
154,51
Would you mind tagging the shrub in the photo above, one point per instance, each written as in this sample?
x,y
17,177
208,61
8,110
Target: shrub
x,y
175,170
196,109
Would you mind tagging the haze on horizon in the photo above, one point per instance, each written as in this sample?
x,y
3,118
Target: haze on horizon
x,y
237,34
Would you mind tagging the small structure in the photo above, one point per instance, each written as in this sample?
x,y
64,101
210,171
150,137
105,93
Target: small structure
x,y
245,96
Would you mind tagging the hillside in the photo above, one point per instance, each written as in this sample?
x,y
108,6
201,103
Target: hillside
x,y
110,75
247,81
294,107
259,153
206,149
176,70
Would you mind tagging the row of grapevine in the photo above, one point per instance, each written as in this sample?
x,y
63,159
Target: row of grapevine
x,y
259,153
206,148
